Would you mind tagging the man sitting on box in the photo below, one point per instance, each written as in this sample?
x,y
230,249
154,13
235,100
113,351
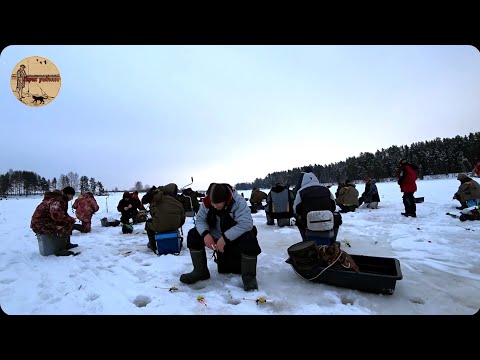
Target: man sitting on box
x,y
311,196
166,211
52,225
468,192
225,225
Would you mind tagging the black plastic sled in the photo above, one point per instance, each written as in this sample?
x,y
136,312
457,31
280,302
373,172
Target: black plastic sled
x,y
377,274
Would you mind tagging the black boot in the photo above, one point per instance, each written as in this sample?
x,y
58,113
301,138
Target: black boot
x,y
69,245
249,272
64,252
200,268
152,244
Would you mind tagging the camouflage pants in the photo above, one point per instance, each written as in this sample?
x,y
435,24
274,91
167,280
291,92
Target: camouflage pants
x,y
87,226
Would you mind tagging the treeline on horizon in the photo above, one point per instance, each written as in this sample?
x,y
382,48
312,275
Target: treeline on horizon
x,y
26,183
438,156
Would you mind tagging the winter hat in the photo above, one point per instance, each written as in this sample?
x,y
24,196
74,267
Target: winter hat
x,y
403,160
126,194
461,177
170,189
69,190
218,193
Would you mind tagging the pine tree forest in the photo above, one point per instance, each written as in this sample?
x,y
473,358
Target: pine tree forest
x,y
438,156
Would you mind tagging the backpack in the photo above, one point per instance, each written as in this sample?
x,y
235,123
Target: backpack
x,y
320,220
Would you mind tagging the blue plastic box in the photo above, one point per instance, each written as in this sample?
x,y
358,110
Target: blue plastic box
x,y
169,243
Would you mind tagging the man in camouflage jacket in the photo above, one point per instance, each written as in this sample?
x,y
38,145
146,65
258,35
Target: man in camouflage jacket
x,y
85,206
51,223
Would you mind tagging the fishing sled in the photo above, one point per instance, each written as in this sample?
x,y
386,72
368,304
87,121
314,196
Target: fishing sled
x,y
376,274
105,222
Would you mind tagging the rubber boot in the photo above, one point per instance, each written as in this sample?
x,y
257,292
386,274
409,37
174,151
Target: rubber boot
x,y
270,220
200,268
249,272
69,245
152,245
63,252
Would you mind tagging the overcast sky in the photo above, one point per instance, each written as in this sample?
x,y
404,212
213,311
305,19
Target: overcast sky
x,y
161,114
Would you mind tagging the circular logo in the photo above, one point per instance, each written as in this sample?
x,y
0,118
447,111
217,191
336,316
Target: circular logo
x,y
35,81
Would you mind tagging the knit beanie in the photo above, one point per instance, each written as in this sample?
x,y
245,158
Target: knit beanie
x,y
69,190
218,193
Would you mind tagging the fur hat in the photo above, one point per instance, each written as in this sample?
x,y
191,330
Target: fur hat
x,y
218,193
461,177
69,190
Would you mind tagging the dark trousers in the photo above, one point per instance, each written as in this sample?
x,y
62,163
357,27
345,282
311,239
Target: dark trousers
x,y
151,239
301,229
246,243
270,220
127,215
257,206
230,260
409,203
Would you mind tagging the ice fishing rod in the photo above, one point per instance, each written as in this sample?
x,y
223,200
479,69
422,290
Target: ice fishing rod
x,y
260,300
190,199
183,187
